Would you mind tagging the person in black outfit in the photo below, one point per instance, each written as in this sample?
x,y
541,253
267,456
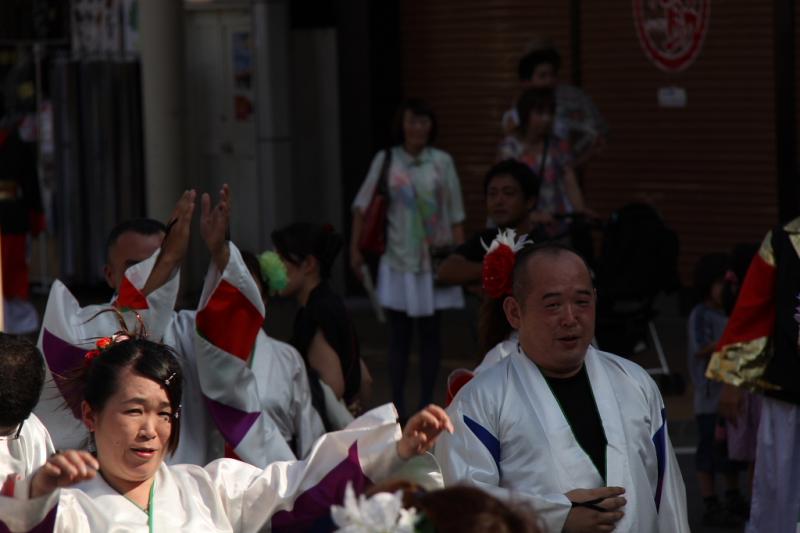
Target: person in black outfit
x,y
323,332
511,189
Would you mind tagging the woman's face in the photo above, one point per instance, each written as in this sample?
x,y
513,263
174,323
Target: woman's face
x,y
294,277
540,122
132,430
416,130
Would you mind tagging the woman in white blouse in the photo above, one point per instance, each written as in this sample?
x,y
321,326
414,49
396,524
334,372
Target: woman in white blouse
x,y
425,215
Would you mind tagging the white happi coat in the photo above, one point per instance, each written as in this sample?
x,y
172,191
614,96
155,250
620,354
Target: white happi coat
x,y
227,495
231,313
26,454
513,440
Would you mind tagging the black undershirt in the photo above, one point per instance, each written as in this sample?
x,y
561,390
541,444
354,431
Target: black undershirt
x,y
574,395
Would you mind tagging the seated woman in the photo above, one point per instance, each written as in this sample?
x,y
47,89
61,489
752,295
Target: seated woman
x,y
323,332
130,391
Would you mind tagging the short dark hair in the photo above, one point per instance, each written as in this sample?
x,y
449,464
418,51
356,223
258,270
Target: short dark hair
x,y
97,381
142,226
708,269
527,179
21,378
534,99
528,63
299,240
419,107
520,284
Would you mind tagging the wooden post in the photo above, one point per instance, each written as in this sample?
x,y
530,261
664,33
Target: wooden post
x,y
2,301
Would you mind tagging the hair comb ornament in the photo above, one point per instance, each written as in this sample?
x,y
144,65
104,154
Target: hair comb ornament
x,y
123,334
499,261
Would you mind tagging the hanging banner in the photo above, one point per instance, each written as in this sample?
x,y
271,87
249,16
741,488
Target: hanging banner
x,y
671,32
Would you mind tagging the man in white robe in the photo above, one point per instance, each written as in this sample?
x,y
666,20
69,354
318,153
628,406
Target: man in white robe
x,y
143,269
25,444
518,435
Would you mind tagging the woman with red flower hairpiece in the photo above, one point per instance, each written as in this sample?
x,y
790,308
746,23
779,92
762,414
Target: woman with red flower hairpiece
x,y
496,337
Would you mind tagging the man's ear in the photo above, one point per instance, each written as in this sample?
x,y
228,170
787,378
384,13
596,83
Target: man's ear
x,y
513,312
531,202
87,416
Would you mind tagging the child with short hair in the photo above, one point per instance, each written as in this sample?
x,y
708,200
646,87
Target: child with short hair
x,y
705,326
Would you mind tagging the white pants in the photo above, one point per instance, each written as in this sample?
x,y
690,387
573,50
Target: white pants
x,y
775,506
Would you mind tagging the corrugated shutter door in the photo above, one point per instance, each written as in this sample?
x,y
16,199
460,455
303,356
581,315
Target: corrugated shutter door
x,y
710,168
462,56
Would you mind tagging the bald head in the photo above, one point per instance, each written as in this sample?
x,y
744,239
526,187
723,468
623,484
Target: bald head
x,y
553,308
523,275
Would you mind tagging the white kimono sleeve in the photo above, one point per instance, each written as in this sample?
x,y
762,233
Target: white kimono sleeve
x,y
232,495
26,454
473,453
670,492
307,423
69,331
294,495
227,323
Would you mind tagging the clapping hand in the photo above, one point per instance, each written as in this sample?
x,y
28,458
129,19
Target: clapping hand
x,y
214,224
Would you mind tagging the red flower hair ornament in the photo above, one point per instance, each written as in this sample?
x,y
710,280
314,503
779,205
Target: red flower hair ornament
x,y
498,263
103,343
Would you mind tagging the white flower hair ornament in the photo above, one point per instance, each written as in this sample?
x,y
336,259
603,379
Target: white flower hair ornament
x,y
507,237
498,263
381,513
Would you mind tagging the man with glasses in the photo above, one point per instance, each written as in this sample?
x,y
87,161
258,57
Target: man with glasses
x,y
25,444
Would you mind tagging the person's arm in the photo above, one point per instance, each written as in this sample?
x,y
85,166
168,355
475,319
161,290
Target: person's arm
x,y
573,190
324,359
471,456
293,495
175,244
458,270
356,257
307,423
458,233
225,329
360,205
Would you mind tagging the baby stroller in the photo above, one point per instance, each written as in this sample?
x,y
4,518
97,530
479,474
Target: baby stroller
x,y
638,261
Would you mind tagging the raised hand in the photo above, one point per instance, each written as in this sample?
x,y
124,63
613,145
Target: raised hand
x,y
214,223
594,509
421,431
62,470
176,243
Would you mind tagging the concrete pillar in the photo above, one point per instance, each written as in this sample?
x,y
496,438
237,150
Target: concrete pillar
x,y
161,42
273,147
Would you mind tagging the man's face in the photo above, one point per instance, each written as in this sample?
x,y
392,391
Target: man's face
x,y
556,318
506,203
130,248
544,75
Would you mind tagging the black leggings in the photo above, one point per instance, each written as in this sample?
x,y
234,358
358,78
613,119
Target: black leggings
x,y
401,331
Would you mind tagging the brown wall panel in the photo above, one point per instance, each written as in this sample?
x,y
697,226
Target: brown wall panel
x,y
462,57
709,167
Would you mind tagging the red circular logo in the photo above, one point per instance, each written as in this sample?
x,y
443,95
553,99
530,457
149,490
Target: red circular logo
x,y
671,32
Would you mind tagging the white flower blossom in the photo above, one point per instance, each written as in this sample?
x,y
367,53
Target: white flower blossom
x,y
507,237
382,513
